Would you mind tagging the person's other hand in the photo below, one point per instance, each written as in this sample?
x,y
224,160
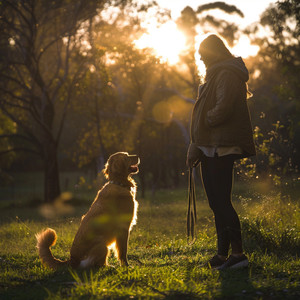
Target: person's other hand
x,y
194,155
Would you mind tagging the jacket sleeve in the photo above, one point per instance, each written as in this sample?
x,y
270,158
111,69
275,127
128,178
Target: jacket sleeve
x,y
226,92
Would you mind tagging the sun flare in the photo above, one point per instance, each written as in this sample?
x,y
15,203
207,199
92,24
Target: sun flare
x,y
166,41
244,48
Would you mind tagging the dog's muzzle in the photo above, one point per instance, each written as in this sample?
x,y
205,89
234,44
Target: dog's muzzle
x,y
134,163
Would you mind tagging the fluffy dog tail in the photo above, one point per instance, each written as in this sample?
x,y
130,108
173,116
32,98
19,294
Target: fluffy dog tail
x,y
45,240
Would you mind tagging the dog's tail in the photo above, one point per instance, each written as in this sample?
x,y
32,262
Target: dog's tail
x,y
45,240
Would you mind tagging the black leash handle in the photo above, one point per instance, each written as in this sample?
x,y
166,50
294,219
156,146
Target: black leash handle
x,y
192,212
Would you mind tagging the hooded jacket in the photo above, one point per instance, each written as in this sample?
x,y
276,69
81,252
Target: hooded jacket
x,y
221,116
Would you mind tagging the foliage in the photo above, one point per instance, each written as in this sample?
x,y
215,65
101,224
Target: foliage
x,y
275,105
163,265
276,85
271,163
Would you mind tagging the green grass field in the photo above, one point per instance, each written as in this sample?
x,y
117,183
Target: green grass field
x,y
162,264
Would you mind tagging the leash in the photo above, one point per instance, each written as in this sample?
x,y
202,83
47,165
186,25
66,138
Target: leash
x,y
192,212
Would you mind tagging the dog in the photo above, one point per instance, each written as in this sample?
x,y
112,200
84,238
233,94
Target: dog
x,y
108,221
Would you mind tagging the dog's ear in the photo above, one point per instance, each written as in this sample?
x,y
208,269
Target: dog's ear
x,y
107,171
116,165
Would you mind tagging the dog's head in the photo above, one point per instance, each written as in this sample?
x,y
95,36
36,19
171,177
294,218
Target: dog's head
x,y
121,165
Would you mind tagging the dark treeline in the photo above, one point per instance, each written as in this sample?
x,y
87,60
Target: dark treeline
x,y
74,89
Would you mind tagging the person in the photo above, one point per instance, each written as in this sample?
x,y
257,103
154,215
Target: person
x,y
221,132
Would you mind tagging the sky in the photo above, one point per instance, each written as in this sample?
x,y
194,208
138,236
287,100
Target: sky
x,y
251,8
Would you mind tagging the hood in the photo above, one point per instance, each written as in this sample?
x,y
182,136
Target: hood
x,y
235,65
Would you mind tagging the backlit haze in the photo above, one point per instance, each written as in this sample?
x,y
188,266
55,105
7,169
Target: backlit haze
x,y
168,42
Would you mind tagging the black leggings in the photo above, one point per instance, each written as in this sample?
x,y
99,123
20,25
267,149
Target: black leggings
x,y
217,177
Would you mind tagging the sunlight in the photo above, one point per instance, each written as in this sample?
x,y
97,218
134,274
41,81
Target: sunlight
x,y
173,108
199,63
112,246
244,48
167,41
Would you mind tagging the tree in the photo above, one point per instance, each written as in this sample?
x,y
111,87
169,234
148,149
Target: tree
x,y
42,60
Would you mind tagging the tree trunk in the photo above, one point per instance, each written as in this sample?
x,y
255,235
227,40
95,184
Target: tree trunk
x,y
51,178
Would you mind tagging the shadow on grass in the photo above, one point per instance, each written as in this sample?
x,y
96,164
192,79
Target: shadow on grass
x,y
18,288
238,284
58,283
235,283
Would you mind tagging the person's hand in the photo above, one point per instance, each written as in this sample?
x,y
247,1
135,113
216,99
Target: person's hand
x,y
194,155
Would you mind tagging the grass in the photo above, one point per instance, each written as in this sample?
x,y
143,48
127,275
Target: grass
x,y
162,264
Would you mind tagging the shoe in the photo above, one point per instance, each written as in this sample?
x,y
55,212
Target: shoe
x,y
235,262
215,262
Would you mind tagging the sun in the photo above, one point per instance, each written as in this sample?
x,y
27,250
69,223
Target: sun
x,y
244,48
166,41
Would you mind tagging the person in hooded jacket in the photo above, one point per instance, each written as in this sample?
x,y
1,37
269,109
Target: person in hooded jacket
x,y
221,132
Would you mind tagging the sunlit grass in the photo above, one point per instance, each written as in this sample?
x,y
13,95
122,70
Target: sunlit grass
x,y
162,263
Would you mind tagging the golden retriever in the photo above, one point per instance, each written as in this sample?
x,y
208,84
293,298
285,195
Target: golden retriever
x,y
107,222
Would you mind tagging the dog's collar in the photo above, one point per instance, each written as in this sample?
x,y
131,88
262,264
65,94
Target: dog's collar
x,y
120,184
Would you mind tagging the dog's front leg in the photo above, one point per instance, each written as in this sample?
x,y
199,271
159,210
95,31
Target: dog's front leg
x,y
121,245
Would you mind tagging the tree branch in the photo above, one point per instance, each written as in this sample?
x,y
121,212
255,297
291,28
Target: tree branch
x,y
22,99
20,136
16,29
19,12
15,80
222,6
20,149
23,126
